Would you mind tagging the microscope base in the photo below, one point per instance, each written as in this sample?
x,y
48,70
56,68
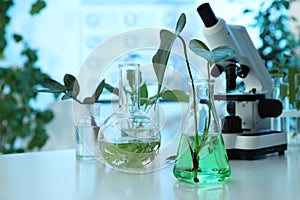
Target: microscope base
x,y
254,146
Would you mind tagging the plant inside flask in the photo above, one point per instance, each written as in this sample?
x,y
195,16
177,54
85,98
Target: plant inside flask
x,y
216,55
129,139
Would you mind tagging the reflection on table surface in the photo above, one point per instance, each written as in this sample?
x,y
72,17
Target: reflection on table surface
x,y
57,175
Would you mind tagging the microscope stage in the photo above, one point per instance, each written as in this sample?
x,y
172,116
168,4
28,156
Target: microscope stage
x,y
254,145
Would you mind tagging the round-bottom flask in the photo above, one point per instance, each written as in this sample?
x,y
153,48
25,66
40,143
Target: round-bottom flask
x,y
128,139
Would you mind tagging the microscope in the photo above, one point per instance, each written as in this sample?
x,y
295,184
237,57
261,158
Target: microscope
x,y
246,124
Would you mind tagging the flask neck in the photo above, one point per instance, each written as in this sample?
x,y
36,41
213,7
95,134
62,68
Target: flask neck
x,y
204,92
129,87
201,104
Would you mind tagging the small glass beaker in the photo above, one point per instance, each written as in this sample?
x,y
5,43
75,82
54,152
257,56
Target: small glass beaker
x,y
87,121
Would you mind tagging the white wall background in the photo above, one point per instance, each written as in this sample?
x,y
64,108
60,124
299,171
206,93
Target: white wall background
x,y
67,30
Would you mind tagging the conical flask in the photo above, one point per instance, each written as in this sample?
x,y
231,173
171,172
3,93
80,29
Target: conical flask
x,y
201,156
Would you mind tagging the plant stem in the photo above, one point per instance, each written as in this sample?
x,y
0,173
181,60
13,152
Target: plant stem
x,y
93,121
193,88
209,101
196,142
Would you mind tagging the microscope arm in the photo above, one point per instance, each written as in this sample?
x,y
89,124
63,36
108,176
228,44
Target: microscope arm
x,y
218,33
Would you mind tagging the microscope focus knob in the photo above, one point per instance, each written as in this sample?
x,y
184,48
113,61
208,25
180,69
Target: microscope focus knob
x,y
269,108
232,124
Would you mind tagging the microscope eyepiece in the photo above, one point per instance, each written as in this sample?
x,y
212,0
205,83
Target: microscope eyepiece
x,y
207,15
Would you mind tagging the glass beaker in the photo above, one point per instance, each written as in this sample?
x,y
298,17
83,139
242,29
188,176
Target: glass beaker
x,y
87,121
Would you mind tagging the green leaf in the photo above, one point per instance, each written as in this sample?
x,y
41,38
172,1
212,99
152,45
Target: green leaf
x,y
135,153
89,100
17,37
218,54
162,55
45,116
53,85
39,139
284,87
69,81
76,89
30,54
175,95
131,78
143,91
222,53
298,104
247,11
198,44
96,95
66,96
180,24
200,49
37,7
99,90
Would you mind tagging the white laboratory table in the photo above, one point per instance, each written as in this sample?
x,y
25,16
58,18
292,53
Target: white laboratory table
x,y
56,175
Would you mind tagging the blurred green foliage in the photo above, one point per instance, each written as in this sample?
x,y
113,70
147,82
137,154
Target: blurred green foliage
x,y
280,44
22,127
